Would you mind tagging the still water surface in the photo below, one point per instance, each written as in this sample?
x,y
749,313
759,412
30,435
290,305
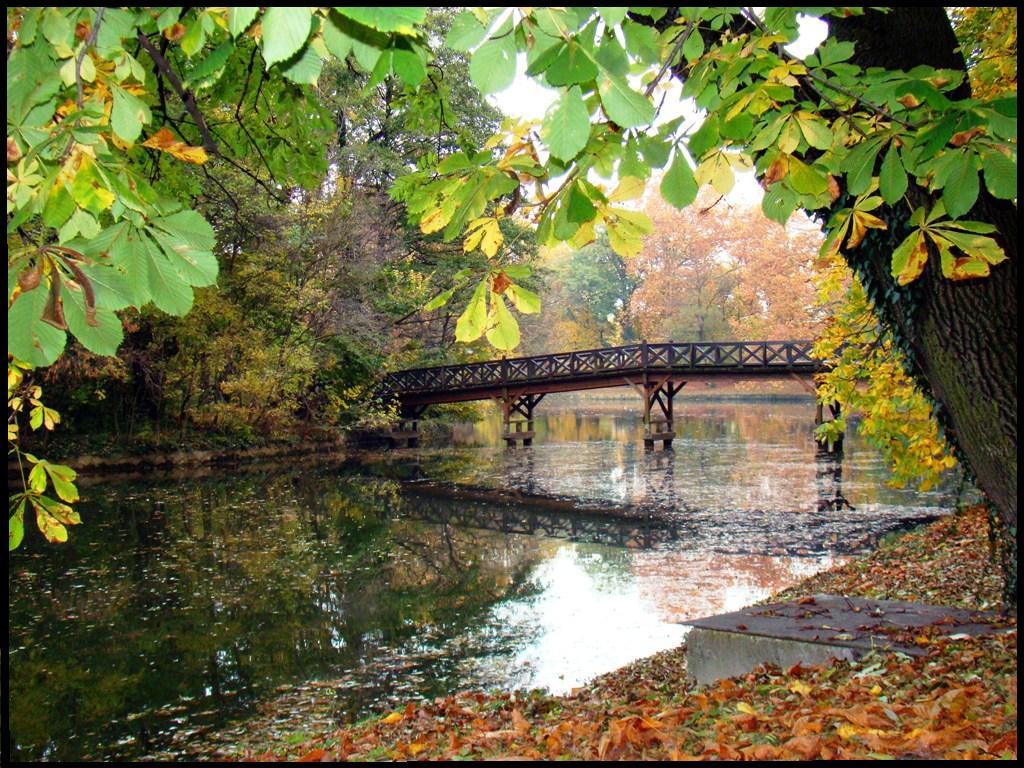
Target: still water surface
x,y
186,602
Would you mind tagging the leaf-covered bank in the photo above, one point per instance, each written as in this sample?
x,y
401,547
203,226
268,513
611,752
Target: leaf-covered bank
x,y
959,701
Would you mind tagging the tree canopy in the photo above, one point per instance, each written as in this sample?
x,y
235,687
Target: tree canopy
x,y
884,142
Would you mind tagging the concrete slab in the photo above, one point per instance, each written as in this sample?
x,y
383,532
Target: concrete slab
x,y
815,629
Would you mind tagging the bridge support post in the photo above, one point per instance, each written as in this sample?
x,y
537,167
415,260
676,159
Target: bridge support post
x,y
517,418
658,426
819,418
408,428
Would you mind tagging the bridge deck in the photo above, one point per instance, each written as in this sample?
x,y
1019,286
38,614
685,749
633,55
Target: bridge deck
x,y
594,368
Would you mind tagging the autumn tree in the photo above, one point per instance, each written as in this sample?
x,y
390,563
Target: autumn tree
x,y
586,295
720,270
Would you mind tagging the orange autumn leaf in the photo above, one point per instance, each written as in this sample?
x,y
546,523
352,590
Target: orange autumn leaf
x,y
501,282
164,141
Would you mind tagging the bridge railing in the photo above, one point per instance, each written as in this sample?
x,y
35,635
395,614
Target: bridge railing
x,y
693,357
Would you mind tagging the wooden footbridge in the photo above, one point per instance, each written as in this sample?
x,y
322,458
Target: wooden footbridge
x,y
656,371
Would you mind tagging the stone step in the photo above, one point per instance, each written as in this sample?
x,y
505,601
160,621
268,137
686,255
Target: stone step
x,y
813,630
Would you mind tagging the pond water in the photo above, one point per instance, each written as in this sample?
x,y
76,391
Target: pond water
x,y
190,601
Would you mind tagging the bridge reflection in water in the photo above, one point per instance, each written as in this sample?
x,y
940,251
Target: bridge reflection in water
x,y
669,522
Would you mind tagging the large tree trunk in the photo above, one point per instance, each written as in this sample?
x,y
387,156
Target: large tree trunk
x,y
961,336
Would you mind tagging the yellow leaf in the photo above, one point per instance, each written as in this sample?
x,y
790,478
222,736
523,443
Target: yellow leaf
x,y
492,239
862,222
394,717
799,686
847,731
746,708
628,189
164,141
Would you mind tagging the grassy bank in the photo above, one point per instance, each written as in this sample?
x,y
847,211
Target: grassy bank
x,y
958,701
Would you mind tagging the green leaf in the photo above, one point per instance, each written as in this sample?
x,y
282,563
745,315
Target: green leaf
x,y
439,301
168,289
503,328
63,478
401,60
240,19
739,128
16,527
59,206
632,164
779,202
789,136
471,323
693,48
526,301
89,189
128,115
517,271
655,151
566,127
188,236
37,477
103,335
465,33
806,179
624,106
285,31
892,179
208,71
304,68
30,83
1000,175
81,223
579,208
28,337
612,15
112,287
678,186
816,132
572,65
612,58
974,245
493,66
393,19
961,189
195,36
860,165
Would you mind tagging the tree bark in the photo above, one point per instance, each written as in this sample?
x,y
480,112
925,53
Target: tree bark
x,y
961,336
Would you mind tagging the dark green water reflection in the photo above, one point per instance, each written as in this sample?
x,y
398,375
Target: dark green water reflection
x,y
186,603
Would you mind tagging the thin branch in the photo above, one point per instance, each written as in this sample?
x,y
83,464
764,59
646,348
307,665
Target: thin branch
x,y
186,96
89,43
749,14
680,42
245,87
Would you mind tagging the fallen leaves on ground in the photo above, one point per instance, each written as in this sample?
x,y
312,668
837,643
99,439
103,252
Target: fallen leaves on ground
x,y
958,701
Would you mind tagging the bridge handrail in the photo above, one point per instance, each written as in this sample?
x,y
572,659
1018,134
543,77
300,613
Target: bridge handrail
x,y
677,356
